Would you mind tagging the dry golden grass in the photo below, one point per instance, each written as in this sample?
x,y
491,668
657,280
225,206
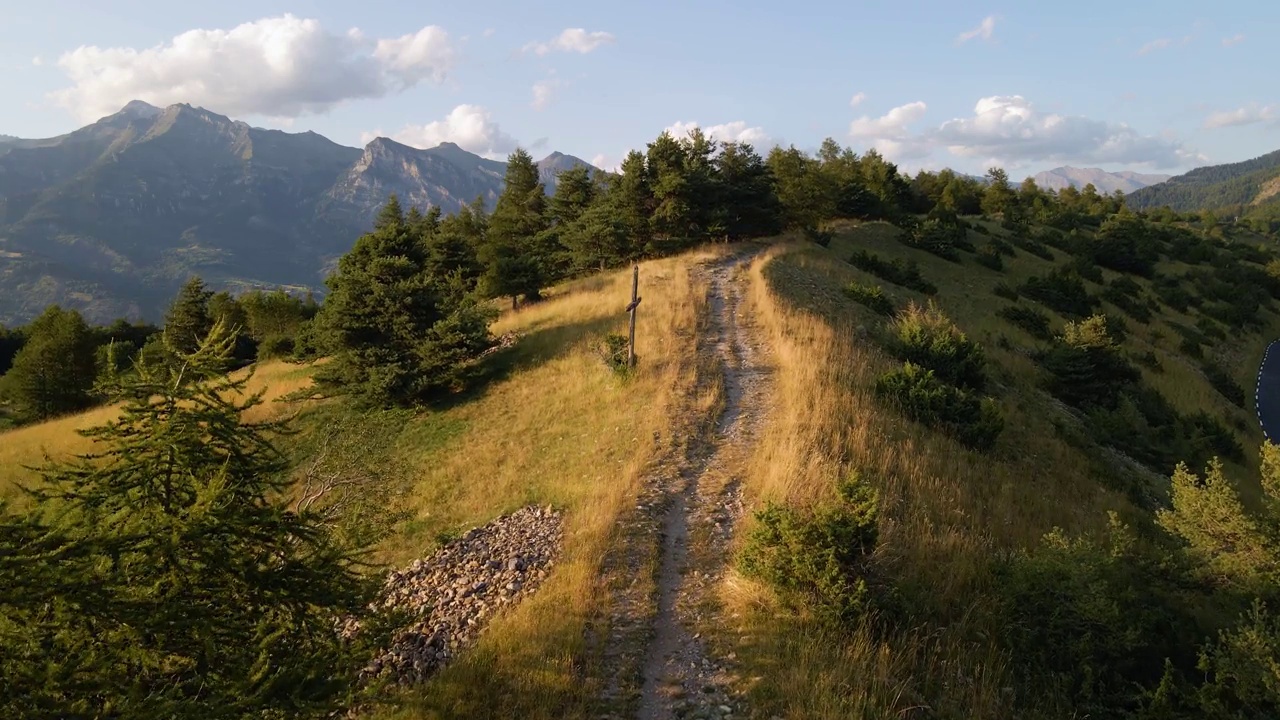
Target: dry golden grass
x,y
560,429
28,446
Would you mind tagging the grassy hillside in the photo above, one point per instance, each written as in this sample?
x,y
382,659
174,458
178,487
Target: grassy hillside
x,y
950,517
558,427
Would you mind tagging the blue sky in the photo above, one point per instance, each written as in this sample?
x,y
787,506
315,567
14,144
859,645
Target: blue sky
x,y
1029,86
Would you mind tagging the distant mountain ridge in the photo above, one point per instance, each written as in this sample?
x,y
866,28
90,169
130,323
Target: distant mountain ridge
x,y
110,219
1245,184
1126,181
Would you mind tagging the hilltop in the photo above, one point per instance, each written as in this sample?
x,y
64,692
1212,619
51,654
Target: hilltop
x,y
1249,187
111,218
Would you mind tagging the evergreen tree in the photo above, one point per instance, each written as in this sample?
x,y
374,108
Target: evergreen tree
x,y
999,195
805,194
514,264
748,202
632,199
188,320
162,575
54,372
11,341
226,309
397,336
598,237
672,217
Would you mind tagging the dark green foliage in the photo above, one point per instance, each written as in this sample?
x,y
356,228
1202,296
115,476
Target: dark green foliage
x,y
515,264
921,396
398,334
1191,348
1131,304
939,236
1085,367
807,195
748,204
988,257
819,555
899,272
1001,247
614,352
871,296
1213,186
188,320
11,341
1006,291
1094,620
925,336
1031,246
1034,322
1149,360
1060,290
1086,268
163,575
1172,293
1222,381
1125,243
55,370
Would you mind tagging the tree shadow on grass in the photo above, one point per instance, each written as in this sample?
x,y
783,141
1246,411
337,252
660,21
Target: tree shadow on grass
x,y
533,349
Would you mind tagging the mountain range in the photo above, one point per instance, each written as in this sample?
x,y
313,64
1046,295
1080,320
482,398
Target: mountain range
x,y
110,219
1104,182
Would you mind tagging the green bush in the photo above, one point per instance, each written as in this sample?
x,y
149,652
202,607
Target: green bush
x,y
925,336
1032,247
989,258
275,346
921,396
1087,269
1222,381
1034,322
898,272
1002,248
1061,290
871,296
614,352
1085,367
1005,291
818,555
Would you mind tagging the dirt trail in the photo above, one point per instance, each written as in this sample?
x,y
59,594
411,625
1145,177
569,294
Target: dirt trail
x,y
703,503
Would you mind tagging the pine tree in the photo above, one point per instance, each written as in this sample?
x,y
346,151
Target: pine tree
x,y
514,264
163,575
397,335
748,204
672,217
55,370
188,320
999,195
631,196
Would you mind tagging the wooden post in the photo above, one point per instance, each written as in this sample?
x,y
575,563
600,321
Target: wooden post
x,y
631,308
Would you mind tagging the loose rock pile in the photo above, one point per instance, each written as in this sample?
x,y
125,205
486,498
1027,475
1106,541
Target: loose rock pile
x,y
454,593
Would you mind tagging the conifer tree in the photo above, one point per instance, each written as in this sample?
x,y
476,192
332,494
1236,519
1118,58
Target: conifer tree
x,y
397,335
748,204
514,264
54,371
631,196
673,213
188,320
162,575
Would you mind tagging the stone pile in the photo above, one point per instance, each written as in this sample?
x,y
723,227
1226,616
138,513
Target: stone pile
x,y
452,595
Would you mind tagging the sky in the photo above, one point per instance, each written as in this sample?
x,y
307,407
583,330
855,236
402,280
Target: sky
x,y
1027,86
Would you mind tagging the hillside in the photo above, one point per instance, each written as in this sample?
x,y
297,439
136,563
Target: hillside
x,y
1234,185
559,428
1125,181
111,218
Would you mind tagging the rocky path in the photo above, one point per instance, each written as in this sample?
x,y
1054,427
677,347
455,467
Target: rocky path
x,y
693,508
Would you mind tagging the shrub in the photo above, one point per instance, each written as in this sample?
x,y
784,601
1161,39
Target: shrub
x,y
1032,321
921,396
1131,305
937,236
1085,367
1222,381
1002,248
1005,290
1032,247
820,236
871,296
1149,360
1126,245
275,346
1191,348
899,272
818,555
1061,290
613,350
1086,268
990,258
925,336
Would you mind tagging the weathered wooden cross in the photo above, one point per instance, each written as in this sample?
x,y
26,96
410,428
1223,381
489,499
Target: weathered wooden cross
x,y
631,308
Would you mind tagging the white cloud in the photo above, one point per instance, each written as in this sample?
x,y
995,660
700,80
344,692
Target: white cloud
x,y
1158,44
471,127
37,61
543,91
607,162
890,126
1233,40
1247,115
1011,129
488,32
281,67
857,99
985,30
571,40
736,131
